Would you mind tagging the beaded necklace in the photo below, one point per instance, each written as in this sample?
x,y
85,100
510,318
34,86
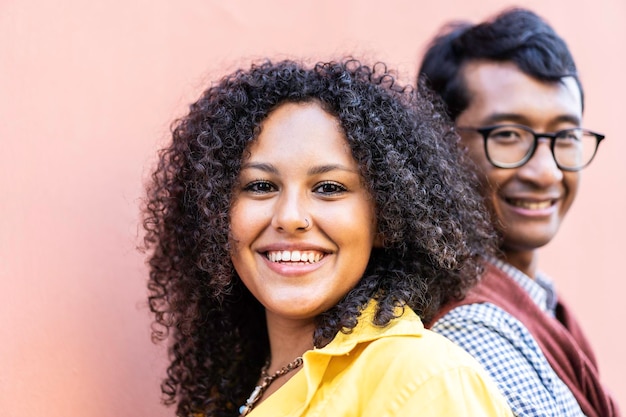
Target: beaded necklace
x,y
266,380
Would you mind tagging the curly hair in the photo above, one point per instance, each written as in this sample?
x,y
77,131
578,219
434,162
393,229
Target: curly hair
x,y
428,211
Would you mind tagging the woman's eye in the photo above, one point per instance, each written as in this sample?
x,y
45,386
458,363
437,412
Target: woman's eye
x,y
330,188
260,187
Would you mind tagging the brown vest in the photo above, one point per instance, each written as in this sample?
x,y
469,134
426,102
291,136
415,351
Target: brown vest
x,y
561,340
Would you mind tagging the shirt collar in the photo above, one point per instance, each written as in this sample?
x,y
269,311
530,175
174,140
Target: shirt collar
x,y
316,361
541,289
405,323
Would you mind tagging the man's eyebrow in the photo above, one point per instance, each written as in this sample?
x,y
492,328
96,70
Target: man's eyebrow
x,y
521,119
566,118
499,117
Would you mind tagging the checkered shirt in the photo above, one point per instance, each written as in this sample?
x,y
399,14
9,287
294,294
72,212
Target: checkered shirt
x,y
507,350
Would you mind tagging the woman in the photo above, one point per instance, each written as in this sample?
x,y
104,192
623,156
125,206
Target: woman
x,y
298,221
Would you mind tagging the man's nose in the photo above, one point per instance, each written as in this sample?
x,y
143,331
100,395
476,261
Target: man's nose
x,y
541,168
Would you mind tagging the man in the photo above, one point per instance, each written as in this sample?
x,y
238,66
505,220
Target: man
x,y
512,88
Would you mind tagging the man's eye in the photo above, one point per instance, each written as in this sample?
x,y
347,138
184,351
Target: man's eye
x,y
329,188
573,135
260,187
505,135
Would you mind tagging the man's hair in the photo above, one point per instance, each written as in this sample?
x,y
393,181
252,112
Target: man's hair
x,y
515,35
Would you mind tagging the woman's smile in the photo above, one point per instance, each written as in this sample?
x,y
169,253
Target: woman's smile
x,y
294,262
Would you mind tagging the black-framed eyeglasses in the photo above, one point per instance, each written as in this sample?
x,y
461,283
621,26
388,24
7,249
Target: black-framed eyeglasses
x,y
511,145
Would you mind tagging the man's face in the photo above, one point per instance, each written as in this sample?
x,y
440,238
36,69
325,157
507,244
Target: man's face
x,y
530,201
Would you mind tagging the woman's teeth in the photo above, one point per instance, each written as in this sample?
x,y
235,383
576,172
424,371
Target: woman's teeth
x,y
294,256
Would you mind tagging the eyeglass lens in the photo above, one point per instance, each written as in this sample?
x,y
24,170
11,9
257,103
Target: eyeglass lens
x,y
508,146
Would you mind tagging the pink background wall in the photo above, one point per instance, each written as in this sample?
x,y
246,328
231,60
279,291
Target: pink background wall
x,y
87,91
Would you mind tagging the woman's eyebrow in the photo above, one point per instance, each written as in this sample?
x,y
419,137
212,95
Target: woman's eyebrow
x,y
260,166
321,169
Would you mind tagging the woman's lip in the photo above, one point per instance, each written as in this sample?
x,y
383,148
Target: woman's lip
x,y
301,246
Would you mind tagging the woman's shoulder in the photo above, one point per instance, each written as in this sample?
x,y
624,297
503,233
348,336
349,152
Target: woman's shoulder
x,y
423,350
403,343
427,365
418,357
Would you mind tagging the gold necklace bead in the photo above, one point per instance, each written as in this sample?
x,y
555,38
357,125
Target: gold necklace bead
x,y
266,380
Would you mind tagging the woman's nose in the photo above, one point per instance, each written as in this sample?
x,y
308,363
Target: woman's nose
x,y
291,213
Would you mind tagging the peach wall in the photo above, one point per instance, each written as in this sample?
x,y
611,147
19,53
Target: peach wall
x,y
87,91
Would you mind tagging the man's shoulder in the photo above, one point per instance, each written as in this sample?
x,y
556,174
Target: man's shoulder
x,y
479,318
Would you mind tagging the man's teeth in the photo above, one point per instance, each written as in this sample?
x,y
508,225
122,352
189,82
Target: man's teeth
x,y
531,205
294,256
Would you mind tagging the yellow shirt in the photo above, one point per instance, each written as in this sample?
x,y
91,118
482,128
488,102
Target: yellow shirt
x,y
401,369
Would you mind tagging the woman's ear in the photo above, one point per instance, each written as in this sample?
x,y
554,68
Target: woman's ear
x,y
379,241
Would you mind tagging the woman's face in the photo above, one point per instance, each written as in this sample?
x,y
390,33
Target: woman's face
x,y
302,222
